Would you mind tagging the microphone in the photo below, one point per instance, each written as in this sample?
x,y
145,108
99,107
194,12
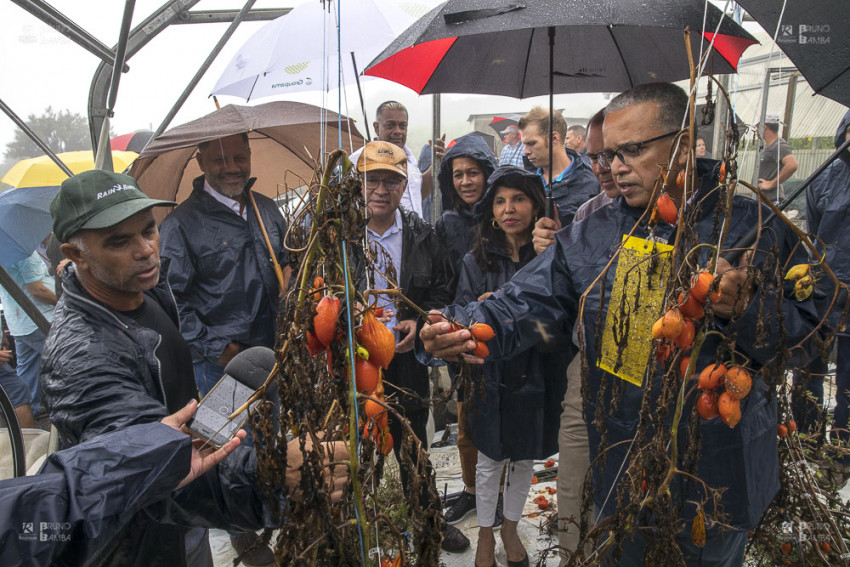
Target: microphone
x,y
242,377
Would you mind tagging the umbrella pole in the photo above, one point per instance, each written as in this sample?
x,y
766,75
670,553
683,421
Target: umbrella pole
x,y
277,270
360,93
550,208
34,137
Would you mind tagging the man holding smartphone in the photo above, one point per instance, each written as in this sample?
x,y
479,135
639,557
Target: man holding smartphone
x,y
114,358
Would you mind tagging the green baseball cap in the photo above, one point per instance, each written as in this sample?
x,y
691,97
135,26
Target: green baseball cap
x,y
97,199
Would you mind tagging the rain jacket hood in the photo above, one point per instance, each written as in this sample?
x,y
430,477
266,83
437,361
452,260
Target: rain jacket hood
x,y
508,176
470,145
840,137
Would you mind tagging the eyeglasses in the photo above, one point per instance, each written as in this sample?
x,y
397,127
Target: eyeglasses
x,y
391,183
597,159
628,152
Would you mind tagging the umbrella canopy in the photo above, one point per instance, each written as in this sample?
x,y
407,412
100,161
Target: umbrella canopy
x,y
24,221
132,142
502,121
42,172
486,47
815,35
292,54
285,137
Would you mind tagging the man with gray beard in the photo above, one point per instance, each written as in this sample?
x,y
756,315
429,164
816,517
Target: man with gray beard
x,y
221,272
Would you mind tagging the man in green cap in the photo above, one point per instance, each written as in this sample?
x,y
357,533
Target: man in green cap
x,y
114,357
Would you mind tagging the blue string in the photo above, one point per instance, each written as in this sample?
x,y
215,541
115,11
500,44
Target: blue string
x,y
351,378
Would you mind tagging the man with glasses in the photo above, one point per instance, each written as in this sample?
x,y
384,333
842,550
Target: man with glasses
x,y
408,252
641,135
572,180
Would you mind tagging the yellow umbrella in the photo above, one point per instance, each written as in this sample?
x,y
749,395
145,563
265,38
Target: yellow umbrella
x,y
42,172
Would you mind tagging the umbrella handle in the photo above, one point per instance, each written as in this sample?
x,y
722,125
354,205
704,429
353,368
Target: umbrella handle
x,y
277,270
550,207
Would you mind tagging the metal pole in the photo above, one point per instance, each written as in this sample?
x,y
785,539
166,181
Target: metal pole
x,y
18,295
360,93
34,137
203,68
61,23
103,159
764,92
436,194
550,203
789,104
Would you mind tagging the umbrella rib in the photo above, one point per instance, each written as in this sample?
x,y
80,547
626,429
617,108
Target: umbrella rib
x,y
525,67
620,53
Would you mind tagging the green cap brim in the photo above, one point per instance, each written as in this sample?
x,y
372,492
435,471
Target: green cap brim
x,y
122,211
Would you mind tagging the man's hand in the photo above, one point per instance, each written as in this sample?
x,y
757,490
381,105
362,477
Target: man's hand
x,y
439,146
5,356
231,350
334,466
204,457
441,340
731,303
407,330
543,235
765,185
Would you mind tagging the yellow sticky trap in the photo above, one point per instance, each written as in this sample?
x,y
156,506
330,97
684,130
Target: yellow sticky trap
x,y
636,299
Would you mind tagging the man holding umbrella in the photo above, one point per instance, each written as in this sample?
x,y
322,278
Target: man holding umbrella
x,y
221,272
640,130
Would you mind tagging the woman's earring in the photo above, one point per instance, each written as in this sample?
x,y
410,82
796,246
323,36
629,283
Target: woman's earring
x,y
494,223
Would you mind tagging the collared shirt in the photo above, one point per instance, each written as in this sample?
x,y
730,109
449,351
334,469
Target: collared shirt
x,y
411,199
563,174
26,271
231,204
391,242
512,155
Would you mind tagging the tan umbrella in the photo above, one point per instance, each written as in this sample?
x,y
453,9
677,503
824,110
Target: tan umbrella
x,y
285,142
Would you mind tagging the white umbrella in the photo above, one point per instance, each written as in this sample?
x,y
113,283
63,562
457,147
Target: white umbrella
x,y
298,51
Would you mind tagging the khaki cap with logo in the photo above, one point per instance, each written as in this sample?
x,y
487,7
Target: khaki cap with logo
x,y
97,199
382,156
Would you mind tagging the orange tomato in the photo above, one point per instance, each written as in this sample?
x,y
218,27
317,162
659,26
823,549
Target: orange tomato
x,y
690,307
376,411
365,374
324,323
672,324
667,209
781,431
481,349
707,405
729,408
314,345
711,377
318,282
700,284
685,340
656,328
377,339
738,382
792,426
482,332
549,463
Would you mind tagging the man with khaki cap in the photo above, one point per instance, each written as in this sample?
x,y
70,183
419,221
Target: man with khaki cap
x,y
114,357
402,240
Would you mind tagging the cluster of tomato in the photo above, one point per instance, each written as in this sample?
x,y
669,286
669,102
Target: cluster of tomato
x,y
721,388
666,209
376,348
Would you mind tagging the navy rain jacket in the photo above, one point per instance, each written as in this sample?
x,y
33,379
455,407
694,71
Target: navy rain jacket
x,y
545,294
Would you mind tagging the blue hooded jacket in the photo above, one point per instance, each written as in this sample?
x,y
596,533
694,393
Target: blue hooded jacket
x,y
827,205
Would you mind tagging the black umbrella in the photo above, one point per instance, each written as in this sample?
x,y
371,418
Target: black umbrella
x,y
500,47
502,121
815,35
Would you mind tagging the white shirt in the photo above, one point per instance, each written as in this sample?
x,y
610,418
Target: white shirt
x,y
414,181
391,241
231,204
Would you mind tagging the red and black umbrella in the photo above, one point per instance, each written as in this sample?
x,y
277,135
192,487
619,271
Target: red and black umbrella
x,y
500,47
132,142
502,121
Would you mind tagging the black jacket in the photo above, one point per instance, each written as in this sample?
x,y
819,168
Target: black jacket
x,y
572,191
517,414
456,227
100,373
426,274
546,294
827,206
220,272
